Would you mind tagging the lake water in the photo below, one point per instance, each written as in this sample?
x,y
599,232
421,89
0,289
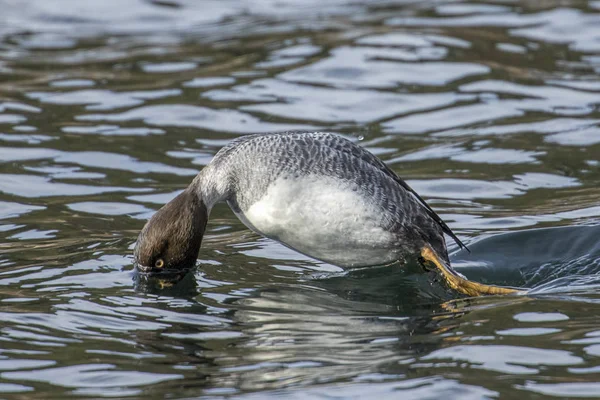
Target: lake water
x,y
108,108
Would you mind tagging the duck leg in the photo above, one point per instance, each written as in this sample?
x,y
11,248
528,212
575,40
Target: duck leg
x,y
456,282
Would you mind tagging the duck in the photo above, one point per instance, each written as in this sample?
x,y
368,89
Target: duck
x,y
317,193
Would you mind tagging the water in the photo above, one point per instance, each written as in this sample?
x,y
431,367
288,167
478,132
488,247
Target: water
x,y
109,108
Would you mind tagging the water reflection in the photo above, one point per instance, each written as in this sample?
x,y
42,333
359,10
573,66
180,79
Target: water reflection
x,y
288,344
279,335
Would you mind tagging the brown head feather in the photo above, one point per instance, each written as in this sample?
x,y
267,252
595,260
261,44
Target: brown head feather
x,y
173,235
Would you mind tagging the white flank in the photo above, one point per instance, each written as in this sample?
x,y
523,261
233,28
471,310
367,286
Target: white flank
x,y
324,218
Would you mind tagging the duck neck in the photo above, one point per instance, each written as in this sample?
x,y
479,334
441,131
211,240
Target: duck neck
x,y
211,186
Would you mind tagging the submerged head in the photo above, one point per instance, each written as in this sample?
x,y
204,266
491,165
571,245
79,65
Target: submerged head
x,y
170,240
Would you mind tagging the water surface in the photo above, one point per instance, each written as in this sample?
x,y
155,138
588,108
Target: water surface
x,y
109,108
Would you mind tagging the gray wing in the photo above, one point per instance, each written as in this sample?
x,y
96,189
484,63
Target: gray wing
x,y
343,145
258,144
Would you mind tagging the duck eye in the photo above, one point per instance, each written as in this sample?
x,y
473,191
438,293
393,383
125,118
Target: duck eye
x,y
159,263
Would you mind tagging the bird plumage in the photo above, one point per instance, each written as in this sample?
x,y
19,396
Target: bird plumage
x,y
243,172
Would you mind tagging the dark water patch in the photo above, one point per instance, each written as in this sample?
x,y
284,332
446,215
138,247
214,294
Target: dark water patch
x,y
540,258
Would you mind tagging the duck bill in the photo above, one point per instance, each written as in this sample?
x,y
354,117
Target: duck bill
x,y
143,269
460,284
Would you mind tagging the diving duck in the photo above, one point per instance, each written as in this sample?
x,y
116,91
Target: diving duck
x,y
315,192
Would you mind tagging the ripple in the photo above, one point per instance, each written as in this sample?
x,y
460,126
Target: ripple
x,y
499,20
411,389
68,83
458,9
221,120
168,67
299,50
511,48
223,335
453,117
12,210
91,376
506,359
395,39
580,31
112,130
91,19
112,208
31,186
120,162
582,137
278,62
29,139
558,97
14,388
540,317
209,81
12,119
11,105
12,364
474,189
482,156
91,159
331,105
552,125
96,99
356,67
534,180
567,389
527,331
65,172
34,234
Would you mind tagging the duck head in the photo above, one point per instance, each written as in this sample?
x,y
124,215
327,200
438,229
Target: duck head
x,y
170,240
